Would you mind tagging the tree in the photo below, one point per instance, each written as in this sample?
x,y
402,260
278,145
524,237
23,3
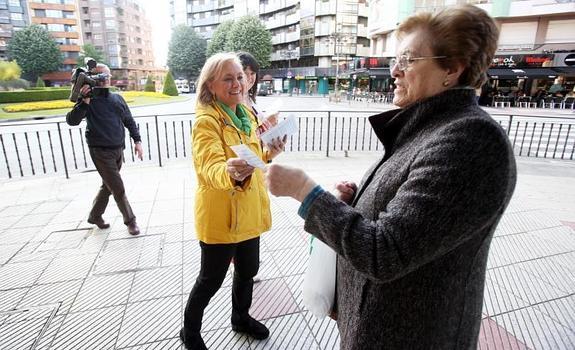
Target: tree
x,y
9,70
250,35
170,88
40,83
35,51
150,86
186,52
89,50
220,38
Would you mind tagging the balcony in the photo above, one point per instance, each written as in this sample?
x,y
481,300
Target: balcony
x,y
279,38
204,8
363,11
225,3
275,22
293,36
272,6
205,21
325,8
293,18
362,31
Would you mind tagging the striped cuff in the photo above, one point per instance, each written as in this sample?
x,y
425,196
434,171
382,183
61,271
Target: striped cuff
x,y
308,200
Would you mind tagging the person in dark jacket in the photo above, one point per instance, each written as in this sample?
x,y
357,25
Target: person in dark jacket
x,y
412,239
107,114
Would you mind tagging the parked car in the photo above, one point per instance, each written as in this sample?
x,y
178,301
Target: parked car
x,y
182,86
263,89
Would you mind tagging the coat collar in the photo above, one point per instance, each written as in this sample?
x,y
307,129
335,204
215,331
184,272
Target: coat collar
x,y
392,127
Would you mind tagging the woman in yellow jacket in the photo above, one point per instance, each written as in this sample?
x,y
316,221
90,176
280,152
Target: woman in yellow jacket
x,y
232,206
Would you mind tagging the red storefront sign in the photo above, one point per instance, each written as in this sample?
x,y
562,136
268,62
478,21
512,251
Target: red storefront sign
x,y
522,61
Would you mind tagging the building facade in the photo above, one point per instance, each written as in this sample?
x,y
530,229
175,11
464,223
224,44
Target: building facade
x,y
536,44
313,41
13,16
60,18
120,30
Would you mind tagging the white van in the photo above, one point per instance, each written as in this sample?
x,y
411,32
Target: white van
x,y
182,86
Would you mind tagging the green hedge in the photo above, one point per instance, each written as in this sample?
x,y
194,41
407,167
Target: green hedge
x,y
48,88
34,95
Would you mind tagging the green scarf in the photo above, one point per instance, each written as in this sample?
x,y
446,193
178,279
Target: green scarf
x,y
240,118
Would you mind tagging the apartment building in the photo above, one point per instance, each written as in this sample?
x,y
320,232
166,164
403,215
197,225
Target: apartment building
x,y
310,38
120,30
13,16
60,18
536,43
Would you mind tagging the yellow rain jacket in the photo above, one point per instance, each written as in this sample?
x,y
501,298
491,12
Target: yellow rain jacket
x,y
224,211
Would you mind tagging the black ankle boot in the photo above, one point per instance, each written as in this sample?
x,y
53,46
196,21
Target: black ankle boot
x,y
192,341
252,328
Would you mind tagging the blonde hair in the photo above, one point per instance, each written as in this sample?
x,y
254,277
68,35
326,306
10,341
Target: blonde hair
x,y
210,71
463,33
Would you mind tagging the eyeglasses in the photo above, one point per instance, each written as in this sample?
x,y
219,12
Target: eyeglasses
x,y
403,62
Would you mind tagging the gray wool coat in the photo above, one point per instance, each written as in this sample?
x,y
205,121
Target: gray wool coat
x,y
412,249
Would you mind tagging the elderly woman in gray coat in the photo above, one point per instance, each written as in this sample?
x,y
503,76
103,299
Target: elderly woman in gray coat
x,y
412,239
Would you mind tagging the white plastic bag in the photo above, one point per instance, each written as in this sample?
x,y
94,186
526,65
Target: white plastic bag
x,y
318,289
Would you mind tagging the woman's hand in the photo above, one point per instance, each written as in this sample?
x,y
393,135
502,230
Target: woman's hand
x,y
345,191
271,119
276,147
239,169
287,181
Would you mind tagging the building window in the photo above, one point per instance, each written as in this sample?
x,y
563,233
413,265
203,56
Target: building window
x,y
16,16
54,13
109,12
96,24
39,13
110,23
68,14
98,36
54,27
14,3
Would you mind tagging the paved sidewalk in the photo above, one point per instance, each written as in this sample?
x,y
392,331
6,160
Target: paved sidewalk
x,y
66,285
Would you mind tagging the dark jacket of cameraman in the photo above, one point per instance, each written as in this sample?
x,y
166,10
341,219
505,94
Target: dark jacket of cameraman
x,y
106,116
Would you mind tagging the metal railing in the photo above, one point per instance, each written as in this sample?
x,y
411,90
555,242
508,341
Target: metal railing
x,y
53,147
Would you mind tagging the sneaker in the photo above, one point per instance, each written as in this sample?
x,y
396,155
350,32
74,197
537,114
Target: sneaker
x,y
194,341
252,328
99,222
133,229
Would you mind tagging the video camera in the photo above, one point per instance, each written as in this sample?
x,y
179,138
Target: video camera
x,y
85,76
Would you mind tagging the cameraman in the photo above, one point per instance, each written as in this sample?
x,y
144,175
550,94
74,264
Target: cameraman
x,y
106,116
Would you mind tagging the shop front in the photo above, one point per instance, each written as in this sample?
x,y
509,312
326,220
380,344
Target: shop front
x,y
371,74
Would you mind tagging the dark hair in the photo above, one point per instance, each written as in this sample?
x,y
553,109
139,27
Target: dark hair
x,y
250,61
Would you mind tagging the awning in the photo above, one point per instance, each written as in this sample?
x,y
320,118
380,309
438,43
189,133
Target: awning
x,y
514,73
371,72
568,71
379,72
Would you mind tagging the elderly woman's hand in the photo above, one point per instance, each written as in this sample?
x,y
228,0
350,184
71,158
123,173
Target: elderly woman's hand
x,y
239,169
287,181
276,147
345,191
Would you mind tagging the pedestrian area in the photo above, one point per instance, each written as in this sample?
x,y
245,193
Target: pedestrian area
x,y
64,284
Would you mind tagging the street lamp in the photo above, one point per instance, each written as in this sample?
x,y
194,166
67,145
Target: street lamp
x,y
337,38
289,54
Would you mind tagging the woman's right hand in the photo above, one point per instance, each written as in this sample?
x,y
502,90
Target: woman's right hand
x,y
345,191
239,169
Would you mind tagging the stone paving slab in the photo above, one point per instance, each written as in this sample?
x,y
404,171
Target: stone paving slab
x,y
65,284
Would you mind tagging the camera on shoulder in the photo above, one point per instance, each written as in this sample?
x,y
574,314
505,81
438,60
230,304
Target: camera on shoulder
x,y
85,76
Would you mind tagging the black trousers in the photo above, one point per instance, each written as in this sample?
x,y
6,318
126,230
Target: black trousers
x,y
108,162
215,261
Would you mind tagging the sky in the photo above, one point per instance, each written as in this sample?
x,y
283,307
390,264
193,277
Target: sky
x,y
158,12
